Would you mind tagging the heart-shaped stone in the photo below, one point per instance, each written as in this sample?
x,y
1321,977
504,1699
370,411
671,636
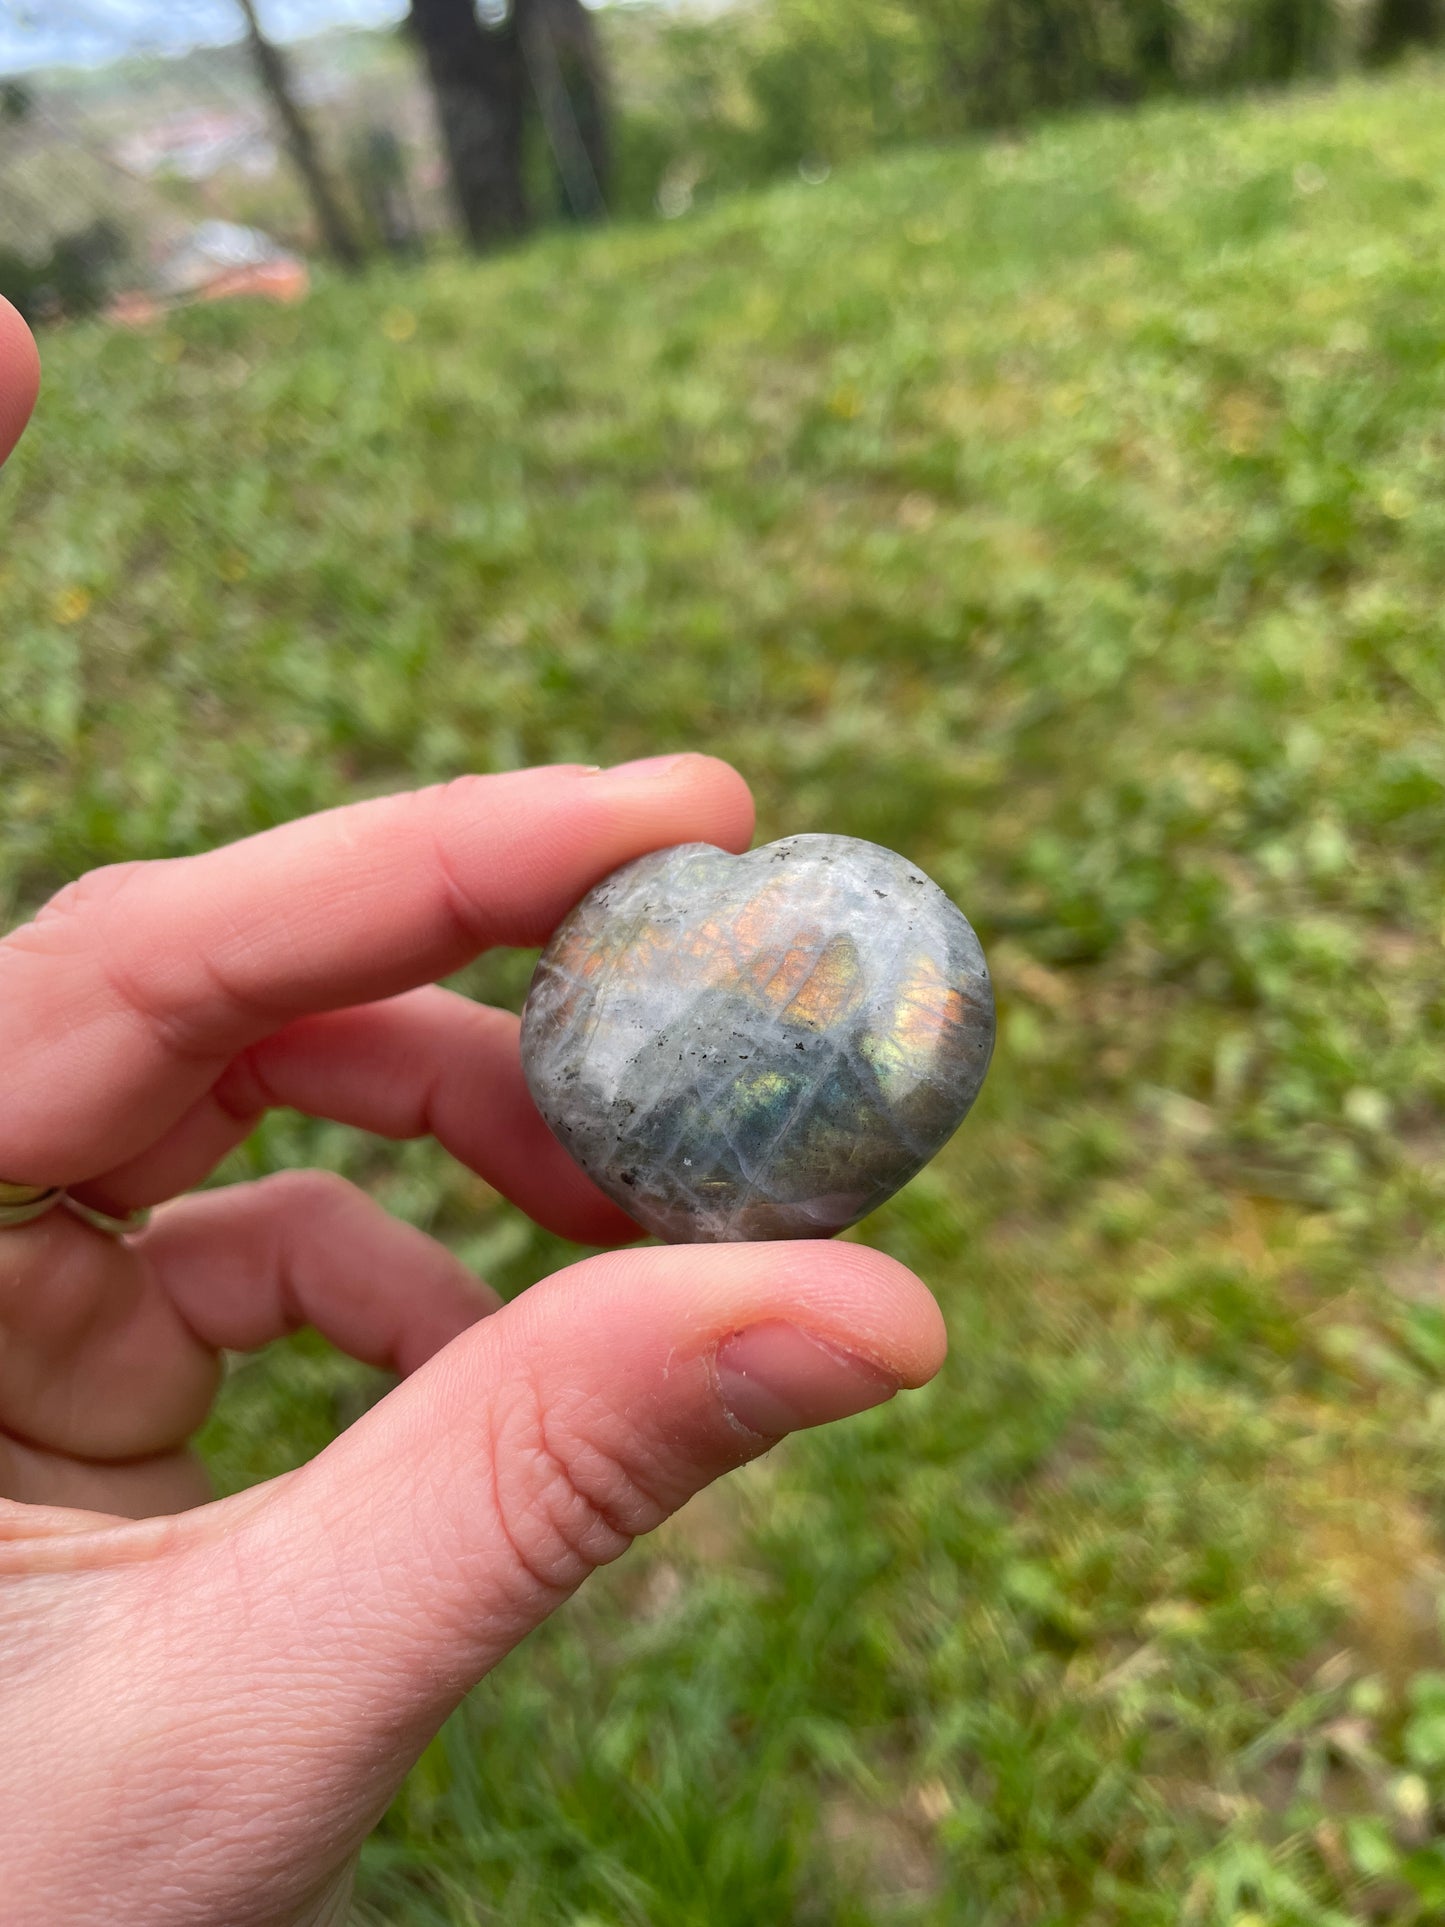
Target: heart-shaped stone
x,y
758,1046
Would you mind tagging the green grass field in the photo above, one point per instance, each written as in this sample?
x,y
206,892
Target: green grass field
x,y
1069,514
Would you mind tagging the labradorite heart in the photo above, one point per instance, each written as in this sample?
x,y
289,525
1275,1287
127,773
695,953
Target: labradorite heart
x,y
759,1046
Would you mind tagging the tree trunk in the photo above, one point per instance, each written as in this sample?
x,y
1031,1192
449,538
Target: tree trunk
x,y
1158,37
379,169
478,80
564,63
275,78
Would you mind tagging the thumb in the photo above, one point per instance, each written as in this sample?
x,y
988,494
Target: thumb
x,y
19,376
348,1610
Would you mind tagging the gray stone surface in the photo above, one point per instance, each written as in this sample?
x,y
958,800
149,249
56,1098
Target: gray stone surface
x,y
758,1046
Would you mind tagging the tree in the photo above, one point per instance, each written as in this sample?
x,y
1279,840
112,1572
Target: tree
x,y
568,76
17,103
378,166
275,76
1158,38
479,82
1401,24
488,78
1277,41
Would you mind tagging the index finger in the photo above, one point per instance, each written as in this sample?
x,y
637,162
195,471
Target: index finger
x,y
19,376
124,1000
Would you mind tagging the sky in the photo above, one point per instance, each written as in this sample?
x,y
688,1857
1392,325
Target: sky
x,y
43,33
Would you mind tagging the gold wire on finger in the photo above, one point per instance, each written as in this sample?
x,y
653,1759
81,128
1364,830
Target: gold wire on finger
x,y
24,1203
102,1220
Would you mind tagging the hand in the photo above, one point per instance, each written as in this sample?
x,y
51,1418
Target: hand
x,y
205,1710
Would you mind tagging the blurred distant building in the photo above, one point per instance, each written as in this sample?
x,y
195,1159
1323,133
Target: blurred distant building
x,y
198,146
54,180
124,188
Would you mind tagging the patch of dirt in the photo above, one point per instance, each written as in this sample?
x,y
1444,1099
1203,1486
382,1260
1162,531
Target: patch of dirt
x,y
1388,1566
886,1853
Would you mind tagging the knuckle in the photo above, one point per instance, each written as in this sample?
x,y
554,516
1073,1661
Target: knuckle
x,y
568,1498
74,914
92,923
97,890
442,807
315,1194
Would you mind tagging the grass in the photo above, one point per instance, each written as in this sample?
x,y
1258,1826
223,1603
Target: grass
x,y
1069,514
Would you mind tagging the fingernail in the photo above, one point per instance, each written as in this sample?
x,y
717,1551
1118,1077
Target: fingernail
x,y
649,765
775,1379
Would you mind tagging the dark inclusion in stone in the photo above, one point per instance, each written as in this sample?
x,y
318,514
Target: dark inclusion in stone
x,y
759,1046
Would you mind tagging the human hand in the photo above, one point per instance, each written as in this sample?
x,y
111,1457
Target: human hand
x,y
208,1705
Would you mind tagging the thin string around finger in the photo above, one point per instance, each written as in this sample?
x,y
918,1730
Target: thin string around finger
x,y
23,1203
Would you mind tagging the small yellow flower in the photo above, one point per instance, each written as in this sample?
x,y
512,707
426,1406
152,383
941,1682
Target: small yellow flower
x,y
398,324
846,403
1397,503
1411,1797
232,566
70,606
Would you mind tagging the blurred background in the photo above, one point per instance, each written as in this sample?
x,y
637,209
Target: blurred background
x,y
1011,430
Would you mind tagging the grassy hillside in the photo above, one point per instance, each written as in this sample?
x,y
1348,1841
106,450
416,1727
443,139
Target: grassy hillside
x,y
1069,514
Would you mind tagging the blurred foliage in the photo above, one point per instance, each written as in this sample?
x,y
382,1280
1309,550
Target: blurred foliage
x,y
1068,513
72,277
717,100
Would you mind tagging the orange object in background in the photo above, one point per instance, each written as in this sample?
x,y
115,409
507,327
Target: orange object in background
x,y
132,309
216,261
286,281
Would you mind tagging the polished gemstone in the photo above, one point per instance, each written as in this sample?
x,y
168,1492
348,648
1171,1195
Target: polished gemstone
x,y
758,1046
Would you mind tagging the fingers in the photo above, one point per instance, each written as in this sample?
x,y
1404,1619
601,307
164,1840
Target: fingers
x,y
426,1063
19,376
95,1360
349,1609
108,1349
80,1493
124,1000
250,1263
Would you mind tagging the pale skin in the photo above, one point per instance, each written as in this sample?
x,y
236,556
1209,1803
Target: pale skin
x,y
207,1704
